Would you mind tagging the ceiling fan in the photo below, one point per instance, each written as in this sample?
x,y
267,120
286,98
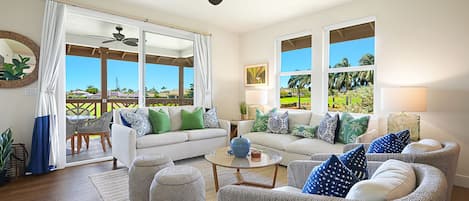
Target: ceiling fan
x,y
121,37
215,2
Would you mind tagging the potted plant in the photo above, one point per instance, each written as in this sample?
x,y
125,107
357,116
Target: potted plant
x,y
243,109
6,140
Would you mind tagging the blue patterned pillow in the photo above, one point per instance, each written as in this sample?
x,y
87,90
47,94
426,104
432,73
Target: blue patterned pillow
x,y
404,136
331,178
389,143
355,160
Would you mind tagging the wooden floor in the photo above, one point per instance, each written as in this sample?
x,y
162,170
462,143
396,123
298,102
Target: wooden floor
x,y
73,184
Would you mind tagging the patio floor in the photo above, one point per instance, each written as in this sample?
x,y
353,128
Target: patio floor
x,y
95,151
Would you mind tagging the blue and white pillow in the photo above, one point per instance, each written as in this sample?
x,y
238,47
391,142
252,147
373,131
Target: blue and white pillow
x,y
331,178
355,160
138,121
404,136
389,143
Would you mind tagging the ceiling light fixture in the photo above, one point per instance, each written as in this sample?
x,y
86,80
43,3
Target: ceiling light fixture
x,y
215,2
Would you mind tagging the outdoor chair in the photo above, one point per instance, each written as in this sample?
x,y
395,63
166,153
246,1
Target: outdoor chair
x,y
99,127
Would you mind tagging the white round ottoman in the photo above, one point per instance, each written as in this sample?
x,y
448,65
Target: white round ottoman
x,y
181,183
141,175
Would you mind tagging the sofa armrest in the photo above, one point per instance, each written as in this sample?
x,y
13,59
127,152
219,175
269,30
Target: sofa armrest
x,y
351,146
245,127
124,141
367,137
225,125
323,156
243,193
298,171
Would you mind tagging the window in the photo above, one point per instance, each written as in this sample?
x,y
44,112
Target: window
x,y
122,79
83,77
351,68
169,72
295,73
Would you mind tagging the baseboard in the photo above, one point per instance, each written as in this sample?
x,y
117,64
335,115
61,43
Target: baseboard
x,y
461,181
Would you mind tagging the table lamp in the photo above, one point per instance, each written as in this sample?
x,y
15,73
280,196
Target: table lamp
x,y
403,100
255,99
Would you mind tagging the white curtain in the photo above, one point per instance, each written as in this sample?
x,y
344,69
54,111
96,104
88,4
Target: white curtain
x,y
51,62
203,71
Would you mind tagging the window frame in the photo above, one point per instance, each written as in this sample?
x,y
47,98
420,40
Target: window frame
x,y
326,61
278,64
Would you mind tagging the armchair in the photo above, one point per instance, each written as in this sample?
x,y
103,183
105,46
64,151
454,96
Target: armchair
x,y
445,159
431,185
99,127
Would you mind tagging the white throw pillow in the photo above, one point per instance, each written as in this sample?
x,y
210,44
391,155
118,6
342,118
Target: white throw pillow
x,y
298,118
422,146
392,180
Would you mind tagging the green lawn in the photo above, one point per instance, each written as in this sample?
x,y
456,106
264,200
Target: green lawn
x,y
288,100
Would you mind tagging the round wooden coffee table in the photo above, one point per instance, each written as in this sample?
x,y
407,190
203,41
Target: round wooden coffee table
x,y
220,157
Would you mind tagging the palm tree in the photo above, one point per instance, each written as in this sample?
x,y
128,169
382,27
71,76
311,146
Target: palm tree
x,y
343,63
299,82
367,59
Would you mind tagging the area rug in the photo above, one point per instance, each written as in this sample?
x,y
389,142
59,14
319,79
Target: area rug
x,y
113,185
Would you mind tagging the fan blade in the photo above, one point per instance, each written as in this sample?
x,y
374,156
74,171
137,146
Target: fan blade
x,y
131,41
108,41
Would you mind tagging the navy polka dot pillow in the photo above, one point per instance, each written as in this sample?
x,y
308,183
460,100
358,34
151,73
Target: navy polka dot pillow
x,y
404,136
389,143
355,160
331,178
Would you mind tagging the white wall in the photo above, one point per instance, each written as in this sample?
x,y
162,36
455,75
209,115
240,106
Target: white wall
x,y
18,109
418,42
16,106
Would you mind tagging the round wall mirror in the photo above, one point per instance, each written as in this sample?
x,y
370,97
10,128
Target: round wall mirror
x,y
19,60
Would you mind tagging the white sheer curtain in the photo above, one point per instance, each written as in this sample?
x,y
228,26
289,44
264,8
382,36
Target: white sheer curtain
x,y
48,147
203,71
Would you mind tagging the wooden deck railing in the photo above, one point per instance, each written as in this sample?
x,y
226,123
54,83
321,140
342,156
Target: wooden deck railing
x,y
93,106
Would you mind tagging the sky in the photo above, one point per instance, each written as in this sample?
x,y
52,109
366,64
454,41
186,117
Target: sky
x,y
84,71
300,59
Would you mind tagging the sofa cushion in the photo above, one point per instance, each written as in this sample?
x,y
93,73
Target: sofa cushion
x,y
138,121
404,136
271,140
392,180
278,123
304,131
328,127
315,119
207,133
330,178
307,146
389,143
192,120
355,160
175,116
260,123
298,118
211,119
351,128
422,146
159,120
154,140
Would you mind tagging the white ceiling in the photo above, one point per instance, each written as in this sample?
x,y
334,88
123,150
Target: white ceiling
x,y
238,15
88,31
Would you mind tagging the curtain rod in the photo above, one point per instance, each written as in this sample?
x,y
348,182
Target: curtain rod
x,y
132,17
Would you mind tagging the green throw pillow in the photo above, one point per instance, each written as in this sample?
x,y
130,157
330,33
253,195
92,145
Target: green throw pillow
x,y
305,131
351,128
159,120
260,124
192,120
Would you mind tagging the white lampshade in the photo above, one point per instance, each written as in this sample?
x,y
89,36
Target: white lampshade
x,y
404,99
256,97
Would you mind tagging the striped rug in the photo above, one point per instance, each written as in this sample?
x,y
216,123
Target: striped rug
x,y
113,185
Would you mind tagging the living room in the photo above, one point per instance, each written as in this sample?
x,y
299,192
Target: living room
x,y
416,43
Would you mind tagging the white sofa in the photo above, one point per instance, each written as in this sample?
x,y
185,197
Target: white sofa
x,y
297,148
177,144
